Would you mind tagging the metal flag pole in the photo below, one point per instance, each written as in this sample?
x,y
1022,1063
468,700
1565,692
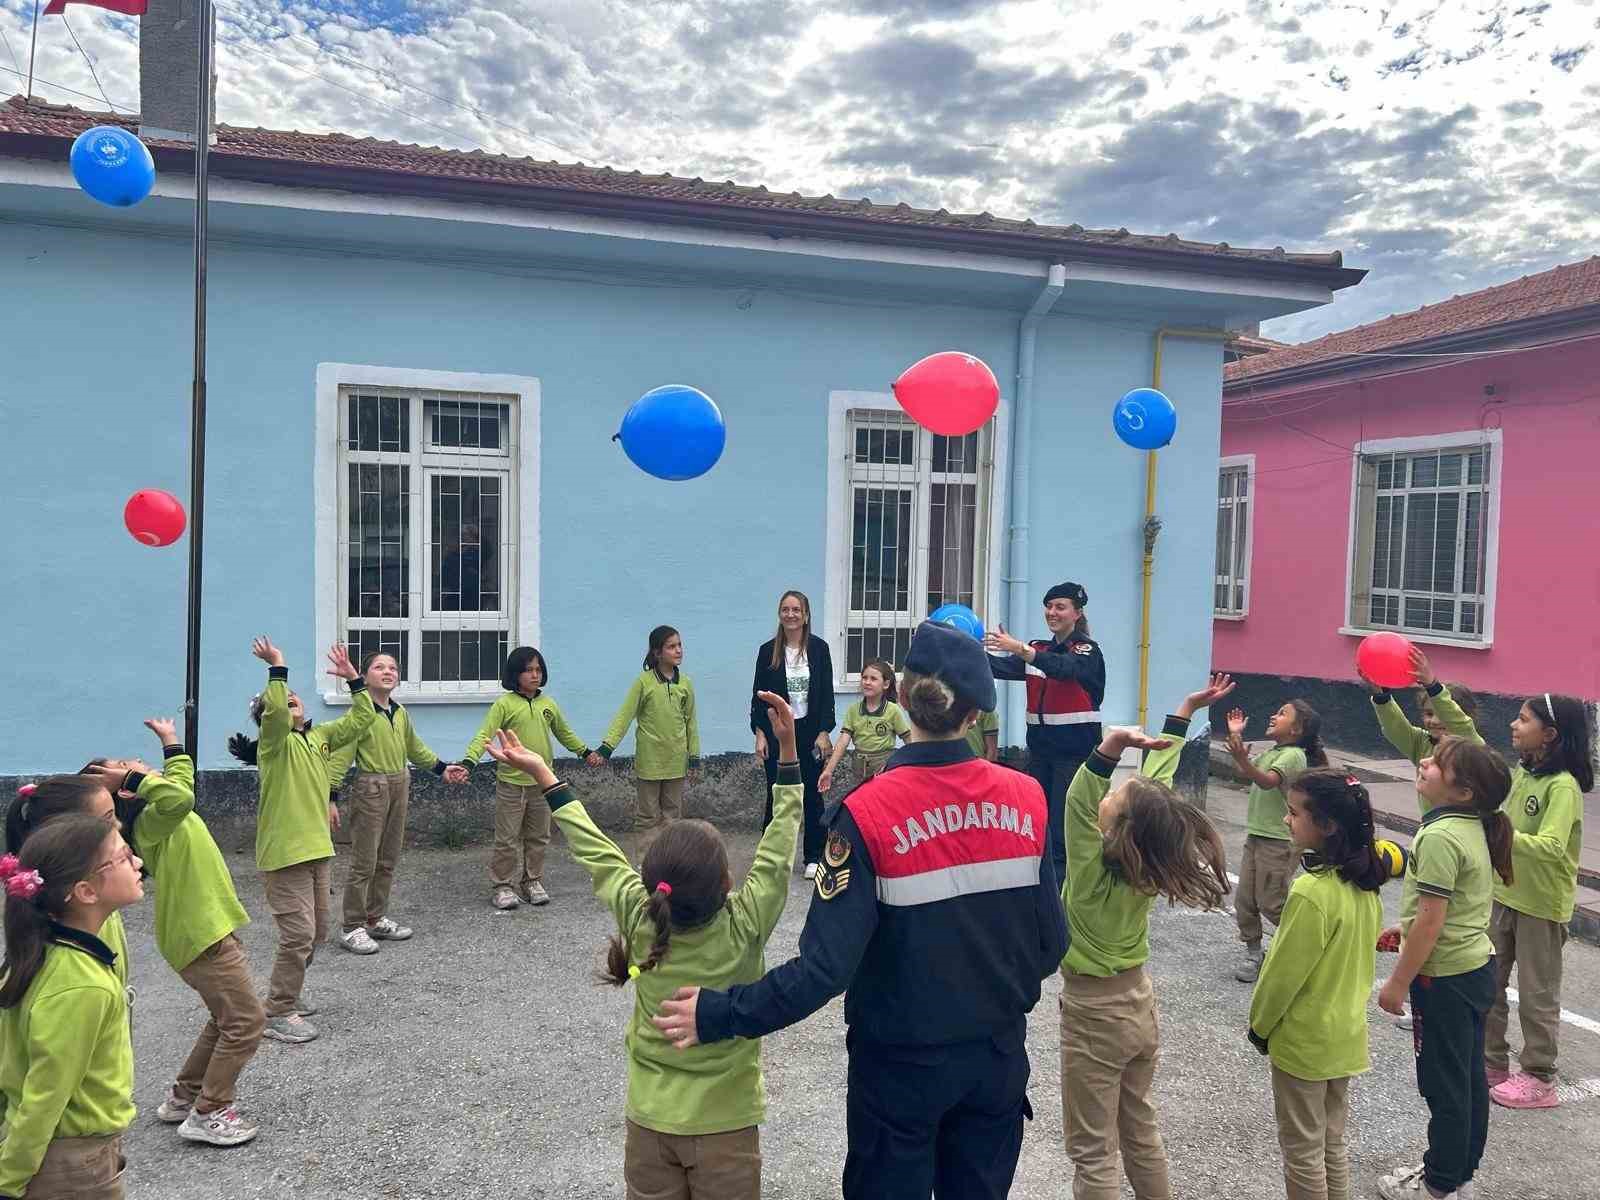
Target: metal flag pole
x,y
197,420
33,48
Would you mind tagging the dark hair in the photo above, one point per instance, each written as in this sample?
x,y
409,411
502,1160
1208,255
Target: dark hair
x,y
692,860
517,662
1485,775
368,659
1466,699
128,808
1343,812
57,796
1310,739
885,668
778,640
1161,845
1572,750
659,637
931,705
64,851
241,745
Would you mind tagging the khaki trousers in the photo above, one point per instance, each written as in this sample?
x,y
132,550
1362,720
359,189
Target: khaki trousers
x,y
521,834
1534,945
378,806
1110,1041
227,1043
711,1166
872,765
659,801
1264,874
297,897
80,1168
1311,1120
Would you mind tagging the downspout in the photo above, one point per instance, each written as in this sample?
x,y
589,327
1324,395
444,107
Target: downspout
x,y
1152,523
1018,564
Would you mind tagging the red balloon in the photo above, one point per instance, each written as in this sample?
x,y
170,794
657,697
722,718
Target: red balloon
x,y
154,517
1385,658
950,393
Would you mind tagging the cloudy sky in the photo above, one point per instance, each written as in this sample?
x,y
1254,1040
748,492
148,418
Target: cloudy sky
x,y
1445,145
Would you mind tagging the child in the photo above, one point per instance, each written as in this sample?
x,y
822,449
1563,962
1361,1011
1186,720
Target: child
x,y
1445,710
380,796
662,701
1269,857
294,850
1309,1011
66,1058
1529,923
692,1116
521,816
1125,847
197,913
872,723
984,737
1445,959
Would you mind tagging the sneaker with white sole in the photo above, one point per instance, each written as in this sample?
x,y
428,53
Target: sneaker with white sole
x,y
811,870
1525,1091
504,899
305,1005
384,929
358,941
535,894
173,1110
291,1027
1409,1185
225,1127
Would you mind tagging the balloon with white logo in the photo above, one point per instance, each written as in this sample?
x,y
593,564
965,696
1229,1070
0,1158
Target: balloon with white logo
x,y
112,166
950,393
1145,419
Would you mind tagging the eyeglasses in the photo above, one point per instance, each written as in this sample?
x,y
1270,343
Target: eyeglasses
x,y
125,855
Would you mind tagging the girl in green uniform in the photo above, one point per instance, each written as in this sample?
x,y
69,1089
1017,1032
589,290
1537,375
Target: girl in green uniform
x,y
661,700
1445,710
872,724
693,1116
66,1058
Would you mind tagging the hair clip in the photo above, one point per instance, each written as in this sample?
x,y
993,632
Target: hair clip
x,y
633,970
1352,781
664,888
27,790
23,885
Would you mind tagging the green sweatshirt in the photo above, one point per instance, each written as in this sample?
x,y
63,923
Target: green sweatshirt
x,y
669,735
533,719
705,1089
390,742
875,732
66,1059
977,736
1415,743
196,906
1310,1003
115,937
1264,816
1546,814
1450,861
1110,922
292,817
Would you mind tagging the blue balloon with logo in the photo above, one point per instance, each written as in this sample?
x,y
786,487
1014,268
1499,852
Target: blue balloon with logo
x,y
958,616
113,166
673,432
1145,419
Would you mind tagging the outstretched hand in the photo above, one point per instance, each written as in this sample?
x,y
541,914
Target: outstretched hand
x,y
506,747
1119,738
1221,684
677,1019
1421,668
164,728
1001,641
339,664
263,649
782,718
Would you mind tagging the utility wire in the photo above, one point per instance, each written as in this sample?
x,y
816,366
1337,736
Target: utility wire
x,y
93,74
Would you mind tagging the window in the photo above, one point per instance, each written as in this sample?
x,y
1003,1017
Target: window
x,y
427,527
1231,597
910,528
1426,512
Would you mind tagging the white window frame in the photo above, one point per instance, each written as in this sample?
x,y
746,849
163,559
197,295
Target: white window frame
x,y
1490,440
1232,462
836,603
523,512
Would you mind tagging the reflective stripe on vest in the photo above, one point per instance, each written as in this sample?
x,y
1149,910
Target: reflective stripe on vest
x,y
966,879
1077,718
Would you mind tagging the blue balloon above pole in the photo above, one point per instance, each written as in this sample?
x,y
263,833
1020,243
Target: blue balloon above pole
x,y
1145,419
113,166
673,432
958,616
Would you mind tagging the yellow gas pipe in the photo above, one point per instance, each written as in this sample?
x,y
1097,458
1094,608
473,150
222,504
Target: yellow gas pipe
x,y
1210,335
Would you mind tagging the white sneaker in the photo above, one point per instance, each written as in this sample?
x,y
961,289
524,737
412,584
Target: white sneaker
x,y
290,1028
385,929
811,870
225,1127
172,1110
536,895
358,941
1409,1185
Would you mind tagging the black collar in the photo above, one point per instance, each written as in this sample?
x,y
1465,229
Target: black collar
x,y
66,935
1449,810
932,754
883,707
675,675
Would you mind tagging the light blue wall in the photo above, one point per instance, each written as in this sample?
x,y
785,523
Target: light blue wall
x,y
95,394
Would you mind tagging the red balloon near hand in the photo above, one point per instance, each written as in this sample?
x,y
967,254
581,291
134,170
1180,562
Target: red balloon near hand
x,y
1385,658
154,517
949,393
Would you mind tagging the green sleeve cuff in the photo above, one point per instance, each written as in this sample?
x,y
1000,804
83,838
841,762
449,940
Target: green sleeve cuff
x,y
557,795
438,767
1381,698
278,673
789,773
605,751
171,751
1177,726
1100,764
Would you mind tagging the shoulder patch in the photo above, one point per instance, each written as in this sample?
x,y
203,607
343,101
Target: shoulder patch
x,y
1532,806
1083,647
831,883
549,716
837,852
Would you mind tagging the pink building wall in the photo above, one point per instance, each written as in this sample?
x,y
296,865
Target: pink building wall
x,y
1547,583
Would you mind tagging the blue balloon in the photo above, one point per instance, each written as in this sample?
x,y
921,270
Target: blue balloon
x,y
673,432
1145,419
113,166
958,616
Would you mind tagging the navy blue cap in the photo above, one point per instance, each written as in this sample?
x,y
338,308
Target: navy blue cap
x,y
957,659
1068,591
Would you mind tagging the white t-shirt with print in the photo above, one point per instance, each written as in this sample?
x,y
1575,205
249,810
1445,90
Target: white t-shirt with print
x,y
798,676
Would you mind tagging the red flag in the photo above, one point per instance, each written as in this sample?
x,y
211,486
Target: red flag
x,y
128,8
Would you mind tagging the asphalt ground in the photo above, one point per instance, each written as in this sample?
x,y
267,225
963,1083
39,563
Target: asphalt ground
x,y
481,1060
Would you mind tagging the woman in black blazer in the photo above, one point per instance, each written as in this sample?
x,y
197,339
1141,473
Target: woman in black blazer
x,y
798,667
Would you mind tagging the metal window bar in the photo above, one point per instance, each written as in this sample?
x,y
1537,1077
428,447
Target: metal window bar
x,y
1233,515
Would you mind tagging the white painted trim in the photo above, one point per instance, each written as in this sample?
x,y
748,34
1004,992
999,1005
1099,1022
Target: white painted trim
x,y
1216,616
1495,439
325,507
835,599
1184,281
1248,462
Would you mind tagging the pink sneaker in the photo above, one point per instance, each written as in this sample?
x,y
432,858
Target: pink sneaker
x,y
1524,1091
1496,1075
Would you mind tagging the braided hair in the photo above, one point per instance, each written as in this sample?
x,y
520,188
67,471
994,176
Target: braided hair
x,y
686,879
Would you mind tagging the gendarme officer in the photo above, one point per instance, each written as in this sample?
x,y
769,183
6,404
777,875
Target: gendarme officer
x,y
937,908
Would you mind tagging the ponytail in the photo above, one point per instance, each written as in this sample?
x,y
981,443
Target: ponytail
x,y
1310,739
243,746
1484,774
685,874
1342,810
63,852
619,969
